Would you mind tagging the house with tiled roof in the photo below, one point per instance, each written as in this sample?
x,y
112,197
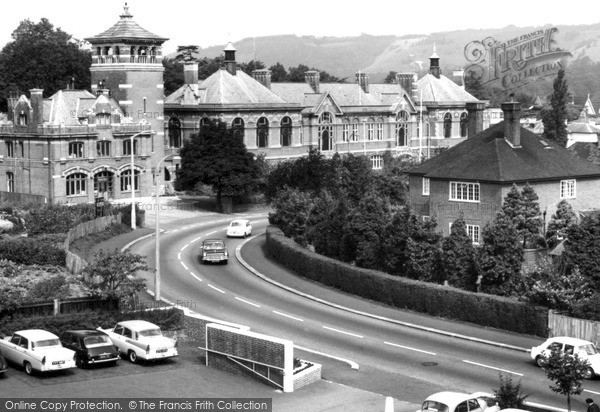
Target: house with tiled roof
x,y
473,178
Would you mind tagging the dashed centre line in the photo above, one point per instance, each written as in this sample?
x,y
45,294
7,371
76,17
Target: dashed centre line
x,y
184,266
492,367
249,303
343,332
196,277
288,316
409,348
216,288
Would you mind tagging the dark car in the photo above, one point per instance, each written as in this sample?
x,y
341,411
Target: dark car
x,y
90,346
3,365
213,250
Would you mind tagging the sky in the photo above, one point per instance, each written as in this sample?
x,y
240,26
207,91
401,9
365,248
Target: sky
x,y
212,23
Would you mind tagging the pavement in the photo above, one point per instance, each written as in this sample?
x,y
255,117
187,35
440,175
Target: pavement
x,y
323,395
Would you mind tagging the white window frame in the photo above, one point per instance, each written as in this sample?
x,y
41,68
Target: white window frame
x,y
345,132
568,189
379,131
474,232
355,132
464,192
370,131
377,162
426,186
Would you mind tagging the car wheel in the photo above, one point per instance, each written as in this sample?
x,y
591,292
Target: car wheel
x,y
540,361
589,373
28,368
133,356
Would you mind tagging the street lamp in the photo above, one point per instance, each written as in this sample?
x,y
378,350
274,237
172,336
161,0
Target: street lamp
x,y
132,181
156,231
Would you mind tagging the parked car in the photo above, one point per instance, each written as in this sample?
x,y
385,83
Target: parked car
x,y
239,228
3,366
37,350
585,349
90,346
139,339
459,402
214,251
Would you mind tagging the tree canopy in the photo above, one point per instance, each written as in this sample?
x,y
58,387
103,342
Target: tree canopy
x,y
555,116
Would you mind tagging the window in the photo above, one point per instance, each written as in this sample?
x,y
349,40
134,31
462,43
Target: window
x,y
75,149
463,125
345,133
103,148
103,183
238,128
126,180
262,132
103,119
370,131
10,149
425,186
402,130
174,132
447,125
22,119
326,131
127,147
76,184
473,233
355,132
204,122
377,162
286,131
10,182
379,131
464,192
567,189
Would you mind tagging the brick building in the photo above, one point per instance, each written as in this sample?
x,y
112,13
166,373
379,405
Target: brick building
x,y
473,177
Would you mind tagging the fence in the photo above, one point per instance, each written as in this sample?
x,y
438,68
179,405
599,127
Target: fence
x,y
560,325
22,198
69,305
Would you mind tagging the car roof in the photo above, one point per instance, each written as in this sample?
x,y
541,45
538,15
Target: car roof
x,y
213,240
82,333
239,221
138,324
36,334
569,340
451,399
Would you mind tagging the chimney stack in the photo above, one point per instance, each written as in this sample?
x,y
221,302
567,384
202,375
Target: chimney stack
x,y
363,80
37,106
434,64
512,121
408,81
475,118
263,76
313,77
230,63
190,73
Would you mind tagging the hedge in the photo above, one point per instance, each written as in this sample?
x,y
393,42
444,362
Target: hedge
x,y
432,299
32,251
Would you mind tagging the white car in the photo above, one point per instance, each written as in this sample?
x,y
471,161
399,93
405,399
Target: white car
x,y
459,402
37,350
583,348
139,339
239,228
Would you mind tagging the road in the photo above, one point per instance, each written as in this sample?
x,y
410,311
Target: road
x,y
393,360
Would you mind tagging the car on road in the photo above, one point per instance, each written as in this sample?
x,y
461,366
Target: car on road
x,y
140,339
37,350
571,346
91,347
3,366
214,251
239,228
448,401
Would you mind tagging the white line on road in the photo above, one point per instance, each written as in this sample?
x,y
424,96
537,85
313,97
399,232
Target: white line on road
x,y
409,348
179,256
341,331
196,277
197,239
211,233
595,393
288,316
185,246
493,367
215,288
249,303
352,364
184,266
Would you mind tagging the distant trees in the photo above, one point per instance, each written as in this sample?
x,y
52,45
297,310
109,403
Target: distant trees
x,y
555,116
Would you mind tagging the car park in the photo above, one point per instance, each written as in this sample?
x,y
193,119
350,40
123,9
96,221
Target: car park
x,y
239,228
570,346
448,401
139,339
37,350
91,347
3,366
214,251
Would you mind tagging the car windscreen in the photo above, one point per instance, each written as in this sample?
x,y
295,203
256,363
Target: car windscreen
x,y
236,224
588,349
434,406
46,342
150,332
214,245
96,340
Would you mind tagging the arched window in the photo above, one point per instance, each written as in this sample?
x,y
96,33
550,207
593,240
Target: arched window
x,y
238,127
103,183
126,180
286,131
10,182
463,125
174,132
326,132
262,132
76,184
22,119
447,125
402,129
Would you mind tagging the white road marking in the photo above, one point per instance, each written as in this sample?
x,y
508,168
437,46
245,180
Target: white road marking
x,y
493,367
409,348
179,256
211,233
341,331
595,393
215,288
196,277
288,316
352,364
197,239
249,303
184,265
185,246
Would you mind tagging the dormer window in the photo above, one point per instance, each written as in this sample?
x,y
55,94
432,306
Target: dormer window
x,y
22,119
103,119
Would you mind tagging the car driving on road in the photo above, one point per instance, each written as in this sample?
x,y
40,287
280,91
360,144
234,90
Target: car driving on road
x,y
571,346
239,228
214,251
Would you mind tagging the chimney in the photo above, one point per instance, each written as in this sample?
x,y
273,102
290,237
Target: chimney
x,y
434,64
263,76
190,73
363,80
475,118
408,81
37,106
512,122
230,63
312,77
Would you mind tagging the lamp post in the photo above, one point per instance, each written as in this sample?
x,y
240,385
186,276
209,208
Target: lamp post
x,y
132,181
156,227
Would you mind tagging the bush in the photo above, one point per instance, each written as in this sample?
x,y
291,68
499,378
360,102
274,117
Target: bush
x,y
8,269
57,218
55,287
28,251
509,395
125,211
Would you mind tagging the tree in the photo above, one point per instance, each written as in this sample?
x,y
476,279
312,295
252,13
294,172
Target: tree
x,y
566,371
582,249
291,210
113,274
554,117
457,261
278,73
523,210
187,53
560,221
216,157
251,66
391,78
40,56
173,75
509,395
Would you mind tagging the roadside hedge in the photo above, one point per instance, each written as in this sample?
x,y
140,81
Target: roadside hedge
x,y
32,251
432,299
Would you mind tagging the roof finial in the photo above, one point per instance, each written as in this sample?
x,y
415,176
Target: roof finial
x,y
434,55
126,13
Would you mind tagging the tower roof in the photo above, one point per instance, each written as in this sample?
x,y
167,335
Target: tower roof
x,y
127,31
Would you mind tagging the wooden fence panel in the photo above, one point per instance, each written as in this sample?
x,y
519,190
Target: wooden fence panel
x,y
560,325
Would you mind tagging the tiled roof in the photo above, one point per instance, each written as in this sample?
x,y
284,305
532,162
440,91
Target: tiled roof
x,y
489,157
125,29
442,89
222,87
64,107
582,127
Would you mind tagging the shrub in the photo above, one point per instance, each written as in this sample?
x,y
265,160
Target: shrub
x,y
8,269
57,218
55,287
125,211
28,251
509,395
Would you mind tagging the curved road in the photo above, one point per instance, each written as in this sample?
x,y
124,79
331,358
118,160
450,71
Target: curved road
x,y
392,359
